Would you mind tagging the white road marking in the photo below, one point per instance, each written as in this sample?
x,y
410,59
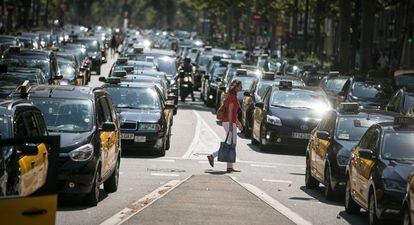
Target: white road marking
x,y
294,217
194,142
162,160
143,203
261,165
272,164
215,163
277,181
165,174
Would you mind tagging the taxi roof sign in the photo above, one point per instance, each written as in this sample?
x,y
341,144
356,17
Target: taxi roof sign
x,y
268,76
216,58
113,80
348,107
404,121
121,60
285,84
119,73
128,69
241,72
208,48
138,50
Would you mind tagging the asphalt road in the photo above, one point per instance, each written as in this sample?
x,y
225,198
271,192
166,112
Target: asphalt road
x,y
279,173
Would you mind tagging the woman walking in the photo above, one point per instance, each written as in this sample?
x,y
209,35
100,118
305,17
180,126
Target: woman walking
x,y
230,121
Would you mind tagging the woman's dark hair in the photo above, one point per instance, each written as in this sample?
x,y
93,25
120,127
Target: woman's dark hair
x,y
235,83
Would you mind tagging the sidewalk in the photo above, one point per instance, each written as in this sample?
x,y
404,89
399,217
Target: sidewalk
x,y
209,199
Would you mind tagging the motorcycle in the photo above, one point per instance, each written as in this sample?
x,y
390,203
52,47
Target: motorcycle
x,y
186,82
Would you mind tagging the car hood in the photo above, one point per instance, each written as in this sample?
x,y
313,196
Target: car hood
x,y
397,169
304,119
71,141
152,116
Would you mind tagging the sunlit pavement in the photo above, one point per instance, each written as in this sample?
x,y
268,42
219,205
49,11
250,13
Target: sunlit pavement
x,y
278,174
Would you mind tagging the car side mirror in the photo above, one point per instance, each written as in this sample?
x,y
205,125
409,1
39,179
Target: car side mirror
x,y
366,154
323,135
259,105
169,106
108,127
218,80
102,79
28,149
246,93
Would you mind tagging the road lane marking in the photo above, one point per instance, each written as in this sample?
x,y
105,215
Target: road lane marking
x,y
165,174
194,142
215,163
277,181
294,217
143,203
271,164
162,160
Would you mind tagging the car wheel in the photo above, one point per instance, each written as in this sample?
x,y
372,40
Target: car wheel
x,y
310,181
351,207
161,151
372,211
406,216
167,143
111,185
92,198
329,192
175,111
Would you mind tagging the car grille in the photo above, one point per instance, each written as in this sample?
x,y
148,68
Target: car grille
x,y
129,126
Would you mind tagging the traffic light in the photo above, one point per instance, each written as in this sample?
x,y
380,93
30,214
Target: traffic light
x,y
265,32
410,40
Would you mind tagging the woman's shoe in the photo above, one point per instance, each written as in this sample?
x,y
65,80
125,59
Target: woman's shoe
x,y
211,160
230,170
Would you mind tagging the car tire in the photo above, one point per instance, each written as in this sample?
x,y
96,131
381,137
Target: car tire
x,y
111,185
351,207
92,198
175,111
310,181
406,215
168,142
329,192
161,151
372,210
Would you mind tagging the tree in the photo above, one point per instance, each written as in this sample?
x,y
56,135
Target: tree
x,y
345,37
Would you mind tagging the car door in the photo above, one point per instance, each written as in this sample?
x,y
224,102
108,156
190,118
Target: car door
x,y
107,137
103,136
259,114
114,135
314,148
44,149
323,145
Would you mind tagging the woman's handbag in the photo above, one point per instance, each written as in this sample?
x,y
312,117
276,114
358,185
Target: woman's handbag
x,y
221,112
227,152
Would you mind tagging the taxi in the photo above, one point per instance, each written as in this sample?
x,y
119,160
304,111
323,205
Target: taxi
x,y
23,170
379,168
90,147
330,145
146,118
408,205
287,115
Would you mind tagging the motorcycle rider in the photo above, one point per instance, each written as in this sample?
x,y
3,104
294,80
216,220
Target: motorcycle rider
x,y
187,67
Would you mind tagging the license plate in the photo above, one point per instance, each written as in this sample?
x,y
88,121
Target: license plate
x,y
140,139
127,136
300,135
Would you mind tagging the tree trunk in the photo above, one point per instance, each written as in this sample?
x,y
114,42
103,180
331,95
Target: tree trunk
x,y
356,33
295,24
344,43
305,28
46,17
367,30
407,56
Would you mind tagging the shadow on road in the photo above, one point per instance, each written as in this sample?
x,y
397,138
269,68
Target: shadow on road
x,y
318,195
140,153
215,172
278,150
75,203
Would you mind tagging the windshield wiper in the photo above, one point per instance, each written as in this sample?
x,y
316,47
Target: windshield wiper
x,y
126,107
281,106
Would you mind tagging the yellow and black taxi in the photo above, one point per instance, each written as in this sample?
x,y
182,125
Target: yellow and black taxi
x,y
23,168
287,115
255,94
378,169
38,59
330,145
90,147
402,100
146,118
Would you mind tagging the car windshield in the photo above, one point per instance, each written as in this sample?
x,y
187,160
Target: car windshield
x,y
66,115
14,79
399,146
167,66
334,85
135,98
246,82
219,72
204,60
352,129
404,80
299,99
67,71
370,90
29,63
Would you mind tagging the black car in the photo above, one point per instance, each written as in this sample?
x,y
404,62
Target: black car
x,y
210,85
12,78
287,115
370,94
145,116
93,51
39,59
378,170
333,85
89,128
255,94
330,145
401,101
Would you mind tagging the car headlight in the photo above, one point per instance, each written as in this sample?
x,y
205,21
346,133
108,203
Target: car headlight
x,y
172,82
273,120
395,185
94,57
149,126
342,160
83,153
